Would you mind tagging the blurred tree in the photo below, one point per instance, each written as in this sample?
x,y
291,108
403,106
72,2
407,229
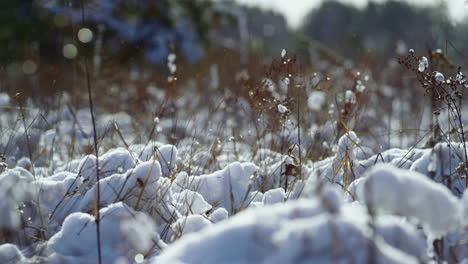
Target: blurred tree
x,y
375,30
130,28
24,29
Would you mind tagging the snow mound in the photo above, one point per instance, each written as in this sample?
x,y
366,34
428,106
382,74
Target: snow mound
x,y
124,232
294,232
274,196
139,186
464,203
411,194
167,157
9,253
15,188
190,224
227,188
402,235
190,202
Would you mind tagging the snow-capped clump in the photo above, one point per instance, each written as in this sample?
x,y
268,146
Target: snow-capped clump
x,y
15,188
190,202
49,193
316,100
274,172
117,160
464,204
282,109
24,163
124,232
283,84
345,152
295,232
167,156
423,64
9,253
460,78
350,97
226,188
274,196
411,194
402,235
171,63
360,87
219,215
4,99
141,188
439,77
114,161
439,162
330,235
190,224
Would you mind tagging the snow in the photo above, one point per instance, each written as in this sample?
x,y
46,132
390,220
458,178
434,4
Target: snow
x,y
464,204
190,224
15,188
283,53
226,188
4,99
350,97
296,232
360,87
460,78
411,194
197,194
171,63
10,253
190,202
316,100
282,109
274,196
242,213
124,232
219,215
402,235
167,156
423,64
439,77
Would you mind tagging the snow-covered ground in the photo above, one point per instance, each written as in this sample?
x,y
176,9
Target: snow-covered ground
x,y
194,194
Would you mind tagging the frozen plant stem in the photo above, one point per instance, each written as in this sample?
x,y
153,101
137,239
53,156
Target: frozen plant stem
x,y
299,132
462,132
96,151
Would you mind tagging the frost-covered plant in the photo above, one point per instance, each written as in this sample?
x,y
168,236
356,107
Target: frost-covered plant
x,y
446,93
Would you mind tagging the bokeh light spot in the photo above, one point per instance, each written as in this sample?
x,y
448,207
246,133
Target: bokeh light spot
x,y
139,258
70,51
29,67
85,35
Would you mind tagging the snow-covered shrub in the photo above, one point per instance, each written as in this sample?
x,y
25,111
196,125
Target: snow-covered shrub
x,y
16,188
411,194
228,188
124,232
295,232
